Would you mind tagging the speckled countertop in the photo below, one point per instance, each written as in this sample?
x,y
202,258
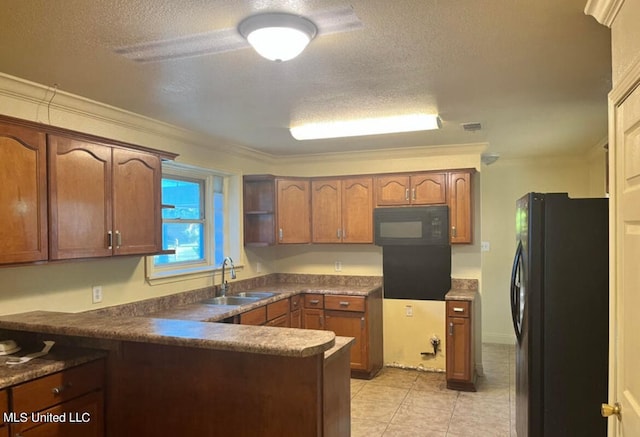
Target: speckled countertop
x,y
59,358
220,336
213,313
456,294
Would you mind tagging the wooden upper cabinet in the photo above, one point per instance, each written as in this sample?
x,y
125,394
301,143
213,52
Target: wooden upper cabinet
x,y
357,210
342,210
429,189
23,195
459,201
326,211
293,210
392,190
103,201
415,189
80,198
136,202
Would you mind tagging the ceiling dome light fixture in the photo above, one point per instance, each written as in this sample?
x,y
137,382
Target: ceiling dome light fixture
x,y
277,36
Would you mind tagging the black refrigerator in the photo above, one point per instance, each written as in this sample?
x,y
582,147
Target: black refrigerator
x,y
559,305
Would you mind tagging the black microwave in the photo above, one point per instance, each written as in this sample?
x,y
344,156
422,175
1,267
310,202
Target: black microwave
x,y
411,226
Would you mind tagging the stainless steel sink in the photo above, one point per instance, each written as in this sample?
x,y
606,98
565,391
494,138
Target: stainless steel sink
x,y
258,294
230,300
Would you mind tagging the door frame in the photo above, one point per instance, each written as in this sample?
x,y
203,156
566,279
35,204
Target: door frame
x,y
629,82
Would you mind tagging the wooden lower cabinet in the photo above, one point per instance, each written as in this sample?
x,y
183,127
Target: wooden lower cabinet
x,y
74,396
296,312
359,317
313,318
460,360
4,408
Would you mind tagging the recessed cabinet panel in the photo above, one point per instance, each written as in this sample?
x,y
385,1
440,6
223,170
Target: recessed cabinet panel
x,y
23,195
80,198
326,208
357,210
294,215
460,207
392,190
429,189
136,202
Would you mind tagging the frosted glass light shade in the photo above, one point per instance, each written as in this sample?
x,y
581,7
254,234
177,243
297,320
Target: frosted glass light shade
x,y
277,36
366,126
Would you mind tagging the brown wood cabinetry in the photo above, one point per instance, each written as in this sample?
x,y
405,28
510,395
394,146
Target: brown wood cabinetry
x,y
359,317
256,316
313,313
76,392
293,210
259,205
459,201
342,210
296,312
65,194
4,408
460,361
411,189
23,195
103,201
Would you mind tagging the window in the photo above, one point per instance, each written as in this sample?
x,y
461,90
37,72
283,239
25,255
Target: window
x,y
195,222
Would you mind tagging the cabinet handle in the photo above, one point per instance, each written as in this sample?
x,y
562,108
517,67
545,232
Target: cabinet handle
x,y
362,322
338,233
458,310
280,234
344,303
454,231
118,239
110,240
58,390
413,193
406,194
314,301
451,328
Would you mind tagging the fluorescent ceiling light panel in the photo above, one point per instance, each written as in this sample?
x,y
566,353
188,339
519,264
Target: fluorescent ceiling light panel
x,y
366,126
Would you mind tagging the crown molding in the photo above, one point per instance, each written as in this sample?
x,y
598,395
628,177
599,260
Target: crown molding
x,y
604,11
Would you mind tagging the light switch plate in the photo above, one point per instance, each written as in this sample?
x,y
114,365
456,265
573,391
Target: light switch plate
x,y
96,293
408,311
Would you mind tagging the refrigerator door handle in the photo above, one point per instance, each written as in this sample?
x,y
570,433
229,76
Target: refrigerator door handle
x,y
515,291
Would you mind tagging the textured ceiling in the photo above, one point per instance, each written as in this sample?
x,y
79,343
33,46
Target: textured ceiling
x,y
535,73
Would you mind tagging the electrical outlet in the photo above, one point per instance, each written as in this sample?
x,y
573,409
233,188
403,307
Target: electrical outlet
x,y
338,266
485,246
408,311
96,293
258,267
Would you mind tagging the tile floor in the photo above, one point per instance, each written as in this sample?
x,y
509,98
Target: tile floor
x,y
410,403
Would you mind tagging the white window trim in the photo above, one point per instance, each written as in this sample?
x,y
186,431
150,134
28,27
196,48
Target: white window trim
x,y
156,275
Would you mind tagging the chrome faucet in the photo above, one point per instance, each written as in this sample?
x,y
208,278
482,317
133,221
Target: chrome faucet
x,y
225,284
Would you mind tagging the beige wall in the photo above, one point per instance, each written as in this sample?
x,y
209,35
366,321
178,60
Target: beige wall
x,y
502,184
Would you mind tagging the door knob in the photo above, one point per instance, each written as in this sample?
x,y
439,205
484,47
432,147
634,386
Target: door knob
x,y
610,410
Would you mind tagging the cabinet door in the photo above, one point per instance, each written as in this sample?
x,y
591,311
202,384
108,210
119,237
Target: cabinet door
x,y
84,418
429,189
357,210
80,198
294,204
313,318
392,190
296,319
137,223
350,324
326,219
460,207
23,195
459,348
280,322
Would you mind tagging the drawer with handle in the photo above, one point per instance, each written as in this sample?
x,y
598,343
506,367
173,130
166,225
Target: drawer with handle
x,y
344,303
458,308
314,301
53,389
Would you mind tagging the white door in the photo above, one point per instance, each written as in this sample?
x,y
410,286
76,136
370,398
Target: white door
x,y
624,375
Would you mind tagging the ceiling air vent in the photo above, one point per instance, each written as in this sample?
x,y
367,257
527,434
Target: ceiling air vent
x,y
472,127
